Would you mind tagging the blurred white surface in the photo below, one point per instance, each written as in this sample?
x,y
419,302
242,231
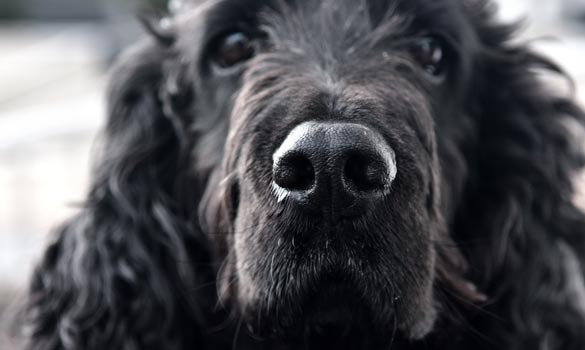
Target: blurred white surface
x,y
50,109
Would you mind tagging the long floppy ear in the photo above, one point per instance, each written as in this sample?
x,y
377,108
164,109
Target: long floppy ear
x,y
521,232
129,271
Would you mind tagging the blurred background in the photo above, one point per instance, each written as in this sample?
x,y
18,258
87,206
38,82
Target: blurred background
x,y
54,59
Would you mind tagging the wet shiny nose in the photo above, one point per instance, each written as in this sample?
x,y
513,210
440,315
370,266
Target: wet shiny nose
x,y
334,167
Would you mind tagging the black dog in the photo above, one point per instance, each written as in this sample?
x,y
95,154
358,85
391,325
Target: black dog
x,y
325,174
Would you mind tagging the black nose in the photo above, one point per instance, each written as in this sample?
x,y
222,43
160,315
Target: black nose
x,y
333,167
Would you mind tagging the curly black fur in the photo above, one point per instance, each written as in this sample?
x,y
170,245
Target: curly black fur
x,y
181,246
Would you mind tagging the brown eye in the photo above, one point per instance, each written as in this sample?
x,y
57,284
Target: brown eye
x,y
232,49
429,53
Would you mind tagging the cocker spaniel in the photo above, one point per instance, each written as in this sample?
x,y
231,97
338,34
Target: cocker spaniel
x,y
324,174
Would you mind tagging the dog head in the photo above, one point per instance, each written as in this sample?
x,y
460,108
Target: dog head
x,y
317,130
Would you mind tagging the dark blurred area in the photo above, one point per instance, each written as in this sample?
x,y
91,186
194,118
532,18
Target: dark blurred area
x,y
117,18
54,58
50,10
63,10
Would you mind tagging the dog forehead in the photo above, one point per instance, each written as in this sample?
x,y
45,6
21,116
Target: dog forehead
x,y
434,13
179,5
327,30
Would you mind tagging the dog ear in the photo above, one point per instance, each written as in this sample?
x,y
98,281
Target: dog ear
x,y
128,271
519,227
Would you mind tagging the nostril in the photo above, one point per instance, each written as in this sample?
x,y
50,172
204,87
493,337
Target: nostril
x,y
294,172
365,173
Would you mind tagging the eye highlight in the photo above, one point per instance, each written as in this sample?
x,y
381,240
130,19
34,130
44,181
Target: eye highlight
x,y
232,49
430,54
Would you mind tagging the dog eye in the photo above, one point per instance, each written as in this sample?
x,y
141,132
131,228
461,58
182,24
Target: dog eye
x,y
430,54
232,49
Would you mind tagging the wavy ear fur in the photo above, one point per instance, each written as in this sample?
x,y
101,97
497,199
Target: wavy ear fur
x,y
126,271
523,235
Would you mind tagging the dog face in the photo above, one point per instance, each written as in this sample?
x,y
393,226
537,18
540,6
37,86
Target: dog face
x,y
326,114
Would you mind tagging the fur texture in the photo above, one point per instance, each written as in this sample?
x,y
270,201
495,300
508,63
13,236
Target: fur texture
x,y
183,244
